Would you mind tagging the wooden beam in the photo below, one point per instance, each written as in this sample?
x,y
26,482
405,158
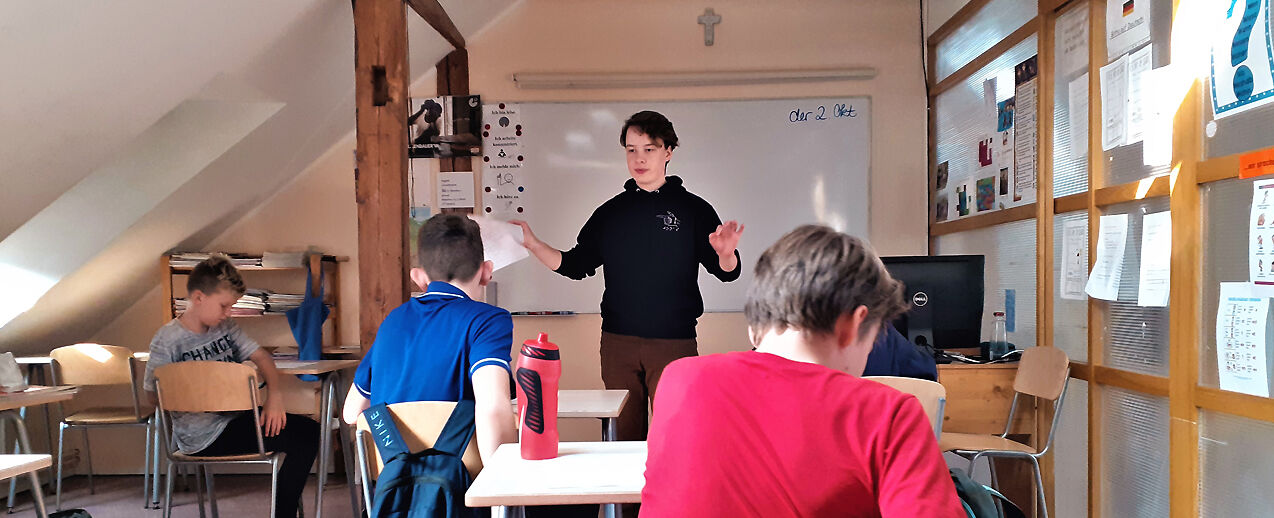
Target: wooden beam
x,y
1081,371
380,165
1143,189
985,58
956,21
453,79
1217,169
1096,308
1044,232
436,16
989,219
1134,381
1070,203
1234,403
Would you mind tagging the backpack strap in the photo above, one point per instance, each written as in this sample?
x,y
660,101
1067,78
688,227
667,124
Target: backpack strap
x,y
458,431
1011,510
389,442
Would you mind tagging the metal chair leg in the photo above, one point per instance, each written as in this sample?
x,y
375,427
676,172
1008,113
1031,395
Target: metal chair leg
x,y
274,484
88,455
146,471
37,495
168,495
154,482
57,505
1039,487
212,490
199,490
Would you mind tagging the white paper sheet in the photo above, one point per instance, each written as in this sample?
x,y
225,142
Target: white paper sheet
x,y
1077,113
1237,87
1156,259
1159,102
1072,32
1114,103
1138,65
1108,269
501,241
1127,25
1074,259
1261,233
1241,320
455,190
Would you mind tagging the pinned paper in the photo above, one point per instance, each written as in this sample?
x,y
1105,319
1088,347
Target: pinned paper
x,y
1072,33
1241,58
1112,237
504,192
1077,114
1159,101
1025,141
1261,233
501,241
455,190
1114,104
1074,259
1127,25
1241,319
1138,65
1156,259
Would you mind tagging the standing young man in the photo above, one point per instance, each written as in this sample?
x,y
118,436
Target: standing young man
x,y
650,239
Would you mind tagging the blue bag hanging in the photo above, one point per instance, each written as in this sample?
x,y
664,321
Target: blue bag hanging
x,y
307,320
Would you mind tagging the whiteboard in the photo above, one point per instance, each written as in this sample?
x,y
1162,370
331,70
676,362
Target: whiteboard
x,y
770,164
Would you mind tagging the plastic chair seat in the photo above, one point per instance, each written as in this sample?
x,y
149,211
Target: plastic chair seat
x,y
972,443
108,415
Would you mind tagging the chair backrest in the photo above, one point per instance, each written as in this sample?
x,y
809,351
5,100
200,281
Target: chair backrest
x,y
419,422
206,386
932,395
1042,372
93,364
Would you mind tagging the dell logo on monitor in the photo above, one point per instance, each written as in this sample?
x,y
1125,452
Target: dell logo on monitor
x,y
920,299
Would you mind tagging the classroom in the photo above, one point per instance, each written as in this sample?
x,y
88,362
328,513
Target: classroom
x,y
245,197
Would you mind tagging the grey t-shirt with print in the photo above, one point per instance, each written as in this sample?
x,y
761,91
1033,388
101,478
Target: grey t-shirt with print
x,y
174,343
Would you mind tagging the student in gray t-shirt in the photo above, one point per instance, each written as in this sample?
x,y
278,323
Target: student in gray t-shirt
x,y
206,333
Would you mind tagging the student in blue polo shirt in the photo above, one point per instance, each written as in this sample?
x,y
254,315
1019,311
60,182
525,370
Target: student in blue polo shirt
x,y
444,345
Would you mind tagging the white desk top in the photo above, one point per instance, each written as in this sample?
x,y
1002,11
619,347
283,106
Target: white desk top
x,y
582,473
45,360
589,403
12,465
313,366
36,395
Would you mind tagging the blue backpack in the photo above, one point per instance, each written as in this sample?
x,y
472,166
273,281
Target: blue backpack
x,y
428,484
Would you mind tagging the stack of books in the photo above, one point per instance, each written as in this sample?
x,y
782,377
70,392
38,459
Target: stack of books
x,y
251,303
282,302
190,259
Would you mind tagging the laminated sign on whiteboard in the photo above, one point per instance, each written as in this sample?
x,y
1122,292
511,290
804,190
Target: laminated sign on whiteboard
x,y
1242,58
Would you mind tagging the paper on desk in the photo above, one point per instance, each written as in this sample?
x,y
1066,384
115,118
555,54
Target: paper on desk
x,y
1074,259
1077,113
1241,318
11,379
1112,236
1156,259
501,241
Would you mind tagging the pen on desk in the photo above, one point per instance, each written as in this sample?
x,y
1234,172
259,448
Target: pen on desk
x,y
540,313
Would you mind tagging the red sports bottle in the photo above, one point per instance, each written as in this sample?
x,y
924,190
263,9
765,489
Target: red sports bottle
x,y
539,370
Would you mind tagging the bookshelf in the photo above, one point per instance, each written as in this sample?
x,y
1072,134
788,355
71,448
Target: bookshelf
x,y
259,277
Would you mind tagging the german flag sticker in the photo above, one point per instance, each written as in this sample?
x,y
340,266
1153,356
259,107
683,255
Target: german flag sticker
x,y
1128,7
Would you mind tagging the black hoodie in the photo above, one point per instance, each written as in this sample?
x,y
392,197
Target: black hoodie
x,y
651,245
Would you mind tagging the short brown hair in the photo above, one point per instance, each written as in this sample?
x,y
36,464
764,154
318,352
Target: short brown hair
x,y
652,124
215,273
813,275
450,247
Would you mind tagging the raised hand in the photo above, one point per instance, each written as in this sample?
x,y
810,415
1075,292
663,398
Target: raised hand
x,y
529,241
726,238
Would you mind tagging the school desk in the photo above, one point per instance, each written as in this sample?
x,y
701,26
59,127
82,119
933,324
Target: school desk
x,y
600,404
329,373
582,473
978,400
36,395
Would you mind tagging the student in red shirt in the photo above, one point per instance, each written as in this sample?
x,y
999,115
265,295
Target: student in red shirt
x,y
790,429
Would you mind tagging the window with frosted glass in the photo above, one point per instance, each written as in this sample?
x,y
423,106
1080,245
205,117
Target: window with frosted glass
x,y
1136,337
1010,265
1070,316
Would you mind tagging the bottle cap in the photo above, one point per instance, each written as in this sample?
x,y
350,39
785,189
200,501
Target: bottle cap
x,y
999,313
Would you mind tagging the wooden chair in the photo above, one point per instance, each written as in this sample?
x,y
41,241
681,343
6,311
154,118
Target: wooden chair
x,y
932,396
204,386
104,365
1043,373
13,465
419,422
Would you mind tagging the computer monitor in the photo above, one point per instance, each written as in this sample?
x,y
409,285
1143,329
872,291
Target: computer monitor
x,y
945,295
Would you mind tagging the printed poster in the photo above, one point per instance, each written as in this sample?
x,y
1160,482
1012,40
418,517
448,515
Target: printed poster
x,y
1072,31
1074,259
1242,60
1261,234
503,186
1241,320
1127,25
1025,134
1108,269
1114,103
1156,259
444,126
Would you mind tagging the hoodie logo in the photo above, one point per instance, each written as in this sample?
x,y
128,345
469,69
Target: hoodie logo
x,y
670,221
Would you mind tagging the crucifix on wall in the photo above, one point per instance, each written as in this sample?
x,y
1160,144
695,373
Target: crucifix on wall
x,y
709,20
